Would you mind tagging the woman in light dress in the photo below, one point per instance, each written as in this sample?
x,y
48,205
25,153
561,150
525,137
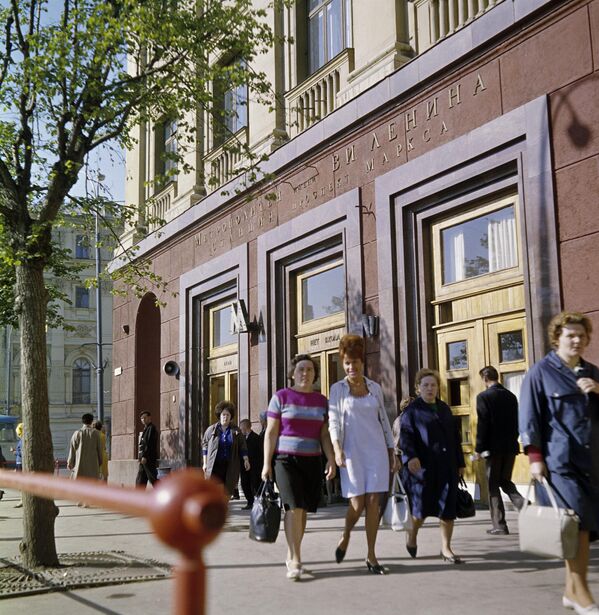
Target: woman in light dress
x,y
363,444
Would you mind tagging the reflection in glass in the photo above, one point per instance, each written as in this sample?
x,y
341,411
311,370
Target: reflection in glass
x,y
334,29
323,294
317,384
479,246
457,355
316,41
221,327
511,346
465,425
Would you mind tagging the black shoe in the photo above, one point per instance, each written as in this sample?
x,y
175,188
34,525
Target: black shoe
x,y
339,554
375,568
498,531
451,559
1,494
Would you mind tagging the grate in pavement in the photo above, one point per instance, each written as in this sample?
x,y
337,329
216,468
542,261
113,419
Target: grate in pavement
x,y
78,570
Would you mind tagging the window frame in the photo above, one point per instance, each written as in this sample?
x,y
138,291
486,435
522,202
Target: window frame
x,y
226,121
77,372
84,293
227,349
82,251
346,32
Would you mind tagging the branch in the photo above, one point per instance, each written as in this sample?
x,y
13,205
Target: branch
x,y
8,51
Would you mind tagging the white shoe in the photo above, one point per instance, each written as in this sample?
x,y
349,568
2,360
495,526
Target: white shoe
x,y
294,574
289,564
592,609
567,603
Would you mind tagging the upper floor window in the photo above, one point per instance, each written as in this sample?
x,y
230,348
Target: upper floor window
x,y
81,297
232,115
81,247
166,151
329,30
81,382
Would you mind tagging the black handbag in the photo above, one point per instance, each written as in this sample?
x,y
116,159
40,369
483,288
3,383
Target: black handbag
x,y
265,516
464,502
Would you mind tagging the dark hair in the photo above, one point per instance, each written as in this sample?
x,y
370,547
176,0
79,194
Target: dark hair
x,y
352,346
489,373
302,357
87,418
421,374
144,412
563,319
225,404
98,425
245,421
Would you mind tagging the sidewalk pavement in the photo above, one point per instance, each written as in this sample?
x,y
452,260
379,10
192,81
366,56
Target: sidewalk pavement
x,y
249,577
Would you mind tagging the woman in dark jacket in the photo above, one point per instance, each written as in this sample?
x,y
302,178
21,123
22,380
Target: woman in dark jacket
x,y
223,444
559,428
433,461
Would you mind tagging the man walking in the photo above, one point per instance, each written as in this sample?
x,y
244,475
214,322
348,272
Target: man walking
x,y
497,444
85,451
147,452
250,479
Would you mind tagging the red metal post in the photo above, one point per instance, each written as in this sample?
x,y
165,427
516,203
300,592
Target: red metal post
x,y
185,510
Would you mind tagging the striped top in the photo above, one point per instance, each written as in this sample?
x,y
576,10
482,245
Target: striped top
x,y
302,416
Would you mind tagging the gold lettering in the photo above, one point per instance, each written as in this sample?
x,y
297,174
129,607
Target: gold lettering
x,y
350,155
454,96
392,133
480,84
443,128
369,165
426,135
431,108
335,162
410,120
375,141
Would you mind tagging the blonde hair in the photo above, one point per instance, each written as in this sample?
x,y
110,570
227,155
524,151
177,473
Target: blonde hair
x,y
563,319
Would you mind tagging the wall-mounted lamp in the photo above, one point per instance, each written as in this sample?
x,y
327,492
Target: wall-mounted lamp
x,y
240,319
370,325
171,368
125,329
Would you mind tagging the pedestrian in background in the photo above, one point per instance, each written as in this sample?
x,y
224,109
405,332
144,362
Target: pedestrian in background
x,y
250,479
559,427
224,446
18,450
147,452
433,461
497,444
296,432
363,444
85,450
104,466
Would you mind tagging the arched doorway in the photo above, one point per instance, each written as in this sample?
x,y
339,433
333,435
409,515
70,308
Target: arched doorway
x,y
147,361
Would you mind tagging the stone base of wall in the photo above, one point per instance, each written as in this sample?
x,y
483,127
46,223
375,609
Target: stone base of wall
x,y
122,472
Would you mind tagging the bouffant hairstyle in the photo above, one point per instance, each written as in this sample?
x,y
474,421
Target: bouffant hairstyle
x,y
564,319
421,374
405,402
297,359
225,404
352,347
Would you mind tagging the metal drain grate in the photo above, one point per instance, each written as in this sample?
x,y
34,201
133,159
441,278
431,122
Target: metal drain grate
x,y
78,570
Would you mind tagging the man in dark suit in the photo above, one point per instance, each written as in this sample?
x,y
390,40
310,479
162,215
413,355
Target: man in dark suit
x,y
497,444
250,479
147,452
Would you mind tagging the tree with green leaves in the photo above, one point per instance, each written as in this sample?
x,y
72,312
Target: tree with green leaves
x,y
76,75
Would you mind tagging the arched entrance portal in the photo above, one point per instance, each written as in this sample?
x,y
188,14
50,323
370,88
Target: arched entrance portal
x,y
147,361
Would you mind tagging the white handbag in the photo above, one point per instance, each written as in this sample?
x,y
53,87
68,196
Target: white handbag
x,y
548,531
397,512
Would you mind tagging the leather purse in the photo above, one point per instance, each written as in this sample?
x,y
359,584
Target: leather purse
x,y
397,511
464,502
548,531
265,516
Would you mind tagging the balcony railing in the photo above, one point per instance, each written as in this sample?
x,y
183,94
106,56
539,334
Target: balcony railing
x,y
316,97
433,20
160,205
223,162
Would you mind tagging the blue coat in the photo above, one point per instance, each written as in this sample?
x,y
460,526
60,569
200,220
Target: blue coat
x,y
434,437
563,422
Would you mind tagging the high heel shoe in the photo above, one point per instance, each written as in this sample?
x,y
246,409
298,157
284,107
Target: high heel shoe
x,y
375,568
451,559
339,554
412,550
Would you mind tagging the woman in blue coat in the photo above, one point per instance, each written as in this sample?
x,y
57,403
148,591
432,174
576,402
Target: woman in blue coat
x,y
559,428
433,461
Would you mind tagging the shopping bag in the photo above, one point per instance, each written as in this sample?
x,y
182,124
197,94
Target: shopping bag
x,y
265,516
548,531
464,502
397,512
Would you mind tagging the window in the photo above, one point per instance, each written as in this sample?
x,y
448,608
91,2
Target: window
x,y
81,247
321,293
221,334
81,382
81,297
165,143
231,114
329,30
479,246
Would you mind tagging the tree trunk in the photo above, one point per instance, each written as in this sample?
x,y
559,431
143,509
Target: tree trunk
x,y
38,547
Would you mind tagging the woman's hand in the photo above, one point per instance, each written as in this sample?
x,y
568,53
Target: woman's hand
x,y
414,465
266,472
538,469
340,458
588,385
394,462
246,464
330,470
